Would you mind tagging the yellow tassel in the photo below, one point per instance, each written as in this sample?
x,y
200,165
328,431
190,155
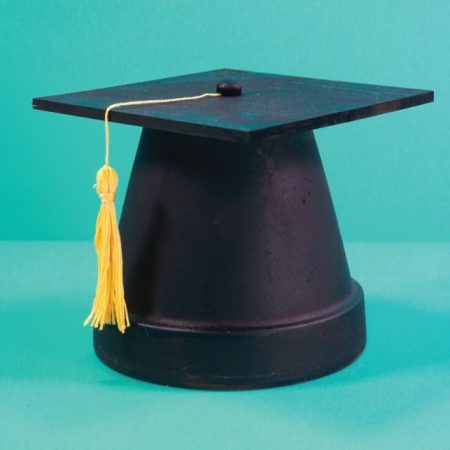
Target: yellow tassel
x,y
109,305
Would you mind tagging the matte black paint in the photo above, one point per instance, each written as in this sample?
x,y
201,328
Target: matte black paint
x,y
229,88
269,104
235,272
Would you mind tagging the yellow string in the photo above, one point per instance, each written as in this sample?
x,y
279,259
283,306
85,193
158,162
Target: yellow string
x,y
143,103
109,305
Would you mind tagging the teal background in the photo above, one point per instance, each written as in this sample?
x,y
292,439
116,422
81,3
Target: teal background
x,y
56,395
390,181
389,175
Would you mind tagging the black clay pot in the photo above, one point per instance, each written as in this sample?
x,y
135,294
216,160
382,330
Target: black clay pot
x,y
235,272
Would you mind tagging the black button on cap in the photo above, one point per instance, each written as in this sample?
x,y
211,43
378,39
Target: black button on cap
x,y
229,88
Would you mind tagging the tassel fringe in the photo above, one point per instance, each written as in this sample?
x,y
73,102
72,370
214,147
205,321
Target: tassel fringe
x,y
109,306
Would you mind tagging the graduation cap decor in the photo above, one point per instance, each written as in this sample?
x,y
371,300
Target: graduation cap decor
x,y
234,271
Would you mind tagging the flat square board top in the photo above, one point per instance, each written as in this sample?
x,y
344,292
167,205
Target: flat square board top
x,y
269,104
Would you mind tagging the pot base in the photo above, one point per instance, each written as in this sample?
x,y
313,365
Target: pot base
x,y
229,359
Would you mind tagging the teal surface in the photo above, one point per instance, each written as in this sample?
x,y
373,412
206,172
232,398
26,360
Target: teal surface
x,y
55,394
389,174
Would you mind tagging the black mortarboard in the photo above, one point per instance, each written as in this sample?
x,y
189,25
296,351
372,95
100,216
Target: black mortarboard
x,y
234,270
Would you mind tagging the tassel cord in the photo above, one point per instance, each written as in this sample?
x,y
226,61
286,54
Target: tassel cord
x,y
109,305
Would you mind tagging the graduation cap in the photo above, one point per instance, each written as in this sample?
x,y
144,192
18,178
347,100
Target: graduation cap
x,y
234,271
